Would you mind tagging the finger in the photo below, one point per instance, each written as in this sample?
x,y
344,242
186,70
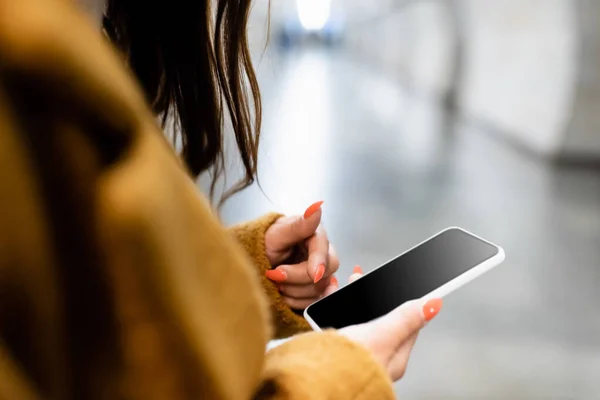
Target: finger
x,y
296,274
312,210
333,281
356,273
333,286
333,262
294,230
399,362
318,250
410,317
299,304
304,291
330,290
410,343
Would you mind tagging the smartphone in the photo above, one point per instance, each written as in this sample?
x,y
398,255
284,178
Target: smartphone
x,y
431,269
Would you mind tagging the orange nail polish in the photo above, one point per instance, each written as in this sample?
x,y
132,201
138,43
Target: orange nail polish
x,y
334,281
312,209
276,275
357,270
432,308
320,273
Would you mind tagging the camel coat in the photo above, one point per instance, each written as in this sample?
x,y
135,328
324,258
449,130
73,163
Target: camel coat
x,y
116,279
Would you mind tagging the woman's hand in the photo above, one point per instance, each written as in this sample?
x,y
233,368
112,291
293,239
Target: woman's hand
x,y
391,338
304,260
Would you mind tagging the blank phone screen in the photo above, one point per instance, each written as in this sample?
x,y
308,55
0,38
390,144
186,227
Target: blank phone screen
x,y
410,276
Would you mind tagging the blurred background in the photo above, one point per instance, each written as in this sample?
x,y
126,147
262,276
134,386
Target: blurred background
x,y
410,116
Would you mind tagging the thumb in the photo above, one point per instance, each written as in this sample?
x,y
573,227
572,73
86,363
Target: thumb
x,y
299,228
410,317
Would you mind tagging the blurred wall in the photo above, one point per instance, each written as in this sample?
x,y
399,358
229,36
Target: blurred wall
x,y
584,130
520,68
529,68
409,40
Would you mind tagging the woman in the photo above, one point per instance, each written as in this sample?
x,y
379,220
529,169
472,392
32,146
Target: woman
x,y
116,279
167,44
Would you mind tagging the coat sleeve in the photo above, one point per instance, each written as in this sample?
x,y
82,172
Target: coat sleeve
x,y
251,236
143,294
323,365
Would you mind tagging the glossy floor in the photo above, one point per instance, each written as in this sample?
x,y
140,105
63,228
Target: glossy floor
x,y
393,169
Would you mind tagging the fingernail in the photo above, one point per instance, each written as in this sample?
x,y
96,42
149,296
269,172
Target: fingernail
x,y
357,270
312,209
276,275
432,308
320,272
334,281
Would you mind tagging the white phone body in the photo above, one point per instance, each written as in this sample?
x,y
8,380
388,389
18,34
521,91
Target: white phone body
x,y
449,286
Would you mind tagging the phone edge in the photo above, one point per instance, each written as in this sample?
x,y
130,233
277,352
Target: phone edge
x,y
446,288
310,321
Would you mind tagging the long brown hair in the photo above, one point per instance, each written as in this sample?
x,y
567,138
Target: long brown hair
x,y
187,65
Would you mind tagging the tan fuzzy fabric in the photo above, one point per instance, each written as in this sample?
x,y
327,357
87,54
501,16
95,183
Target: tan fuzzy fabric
x,y
116,279
294,369
251,236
